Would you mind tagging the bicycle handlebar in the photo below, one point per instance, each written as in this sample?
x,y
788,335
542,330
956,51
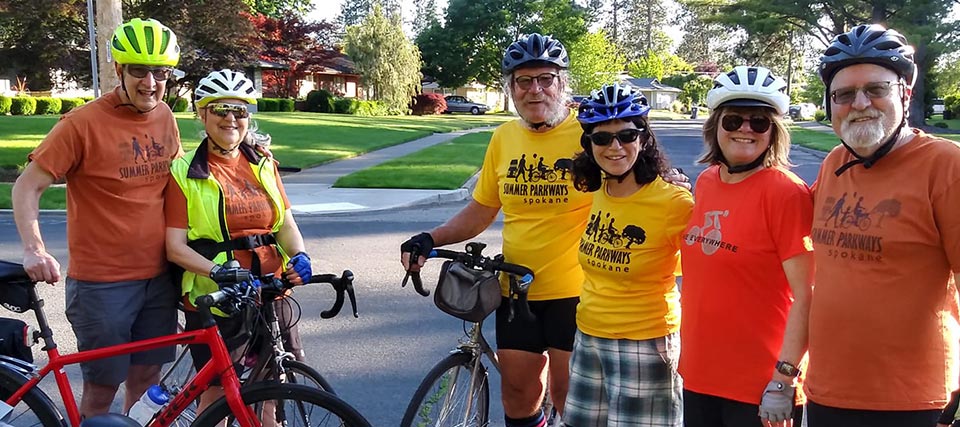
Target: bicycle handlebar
x,y
233,289
520,277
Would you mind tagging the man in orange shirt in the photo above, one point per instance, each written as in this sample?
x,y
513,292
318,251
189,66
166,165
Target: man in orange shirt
x,y
883,336
117,287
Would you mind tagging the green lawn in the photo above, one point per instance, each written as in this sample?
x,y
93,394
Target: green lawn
x,y
814,139
54,198
443,166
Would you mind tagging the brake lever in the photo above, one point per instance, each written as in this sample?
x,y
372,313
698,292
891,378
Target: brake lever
x,y
415,275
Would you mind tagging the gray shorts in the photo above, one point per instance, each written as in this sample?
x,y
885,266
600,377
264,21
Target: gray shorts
x,y
105,314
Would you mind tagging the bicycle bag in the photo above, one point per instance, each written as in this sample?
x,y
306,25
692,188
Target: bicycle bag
x,y
466,293
14,336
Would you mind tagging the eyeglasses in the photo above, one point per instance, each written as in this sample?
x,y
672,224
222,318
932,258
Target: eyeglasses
x,y
221,110
872,90
733,122
140,71
544,80
626,136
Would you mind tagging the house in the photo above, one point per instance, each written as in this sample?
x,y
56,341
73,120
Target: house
x,y
338,75
475,92
660,96
257,69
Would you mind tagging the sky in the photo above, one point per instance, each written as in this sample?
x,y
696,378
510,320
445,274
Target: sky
x,y
329,9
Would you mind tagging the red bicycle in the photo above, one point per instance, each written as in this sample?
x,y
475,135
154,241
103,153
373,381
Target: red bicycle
x,y
24,403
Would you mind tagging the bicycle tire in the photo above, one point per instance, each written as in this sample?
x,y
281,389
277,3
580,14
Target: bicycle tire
x,y
423,406
35,409
299,403
302,373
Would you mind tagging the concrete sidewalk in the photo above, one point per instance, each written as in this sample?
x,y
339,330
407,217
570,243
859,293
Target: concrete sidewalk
x,y
311,191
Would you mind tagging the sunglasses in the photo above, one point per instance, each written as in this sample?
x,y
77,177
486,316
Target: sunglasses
x,y
140,71
221,110
625,136
544,80
732,123
846,95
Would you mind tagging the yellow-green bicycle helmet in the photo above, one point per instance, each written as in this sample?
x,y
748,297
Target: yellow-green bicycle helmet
x,y
145,42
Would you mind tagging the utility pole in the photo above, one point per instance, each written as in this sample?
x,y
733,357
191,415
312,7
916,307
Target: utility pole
x,y
109,17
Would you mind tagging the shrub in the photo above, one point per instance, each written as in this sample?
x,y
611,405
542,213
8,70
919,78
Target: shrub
x,y
820,115
48,105
67,104
5,102
677,107
941,125
286,105
951,104
178,105
266,105
346,106
372,109
320,101
429,103
86,98
23,106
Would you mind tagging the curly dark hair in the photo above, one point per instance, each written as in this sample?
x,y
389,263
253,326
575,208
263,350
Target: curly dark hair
x,y
651,161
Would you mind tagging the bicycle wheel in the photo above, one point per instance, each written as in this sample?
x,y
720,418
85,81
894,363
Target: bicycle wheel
x,y
300,373
35,409
290,405
445,397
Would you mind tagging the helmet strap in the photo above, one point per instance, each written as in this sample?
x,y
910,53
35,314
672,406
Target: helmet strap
x,y
223,151
872,159
746,167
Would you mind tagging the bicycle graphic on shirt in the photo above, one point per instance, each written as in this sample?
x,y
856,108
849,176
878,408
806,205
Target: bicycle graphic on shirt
x,y
710,232
610,235
856,217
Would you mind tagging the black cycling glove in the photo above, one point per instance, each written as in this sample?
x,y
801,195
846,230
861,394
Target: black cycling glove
x,y
950,411
421,245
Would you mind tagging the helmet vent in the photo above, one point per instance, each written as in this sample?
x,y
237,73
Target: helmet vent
x,y
149,38
132,37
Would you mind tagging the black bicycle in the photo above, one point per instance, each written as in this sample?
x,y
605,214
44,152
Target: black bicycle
x,y
456,391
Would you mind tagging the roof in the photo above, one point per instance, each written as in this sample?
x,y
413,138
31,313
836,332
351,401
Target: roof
x,y
337,63
649,84
270,65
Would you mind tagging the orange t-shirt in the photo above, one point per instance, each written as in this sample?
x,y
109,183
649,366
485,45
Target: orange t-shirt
x,y
883,321
248,206
735,296
116,163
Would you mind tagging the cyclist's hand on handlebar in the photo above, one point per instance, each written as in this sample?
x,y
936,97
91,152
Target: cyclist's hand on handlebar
x,y
41,266
228,274
420,245
299,270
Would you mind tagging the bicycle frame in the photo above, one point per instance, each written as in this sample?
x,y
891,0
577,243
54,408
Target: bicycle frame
x,y
220,365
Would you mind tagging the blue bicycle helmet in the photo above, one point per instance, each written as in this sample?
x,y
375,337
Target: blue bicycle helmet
x,y
534,48
612,102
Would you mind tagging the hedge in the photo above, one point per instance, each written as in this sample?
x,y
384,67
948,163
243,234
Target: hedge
x,y
286,105
266,105
23,106
320,101
5,103
820,115
48,105
373,108
346,106
68,104
429,103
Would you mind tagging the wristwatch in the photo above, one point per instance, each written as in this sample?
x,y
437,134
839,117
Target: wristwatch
x,y
216,269
787,368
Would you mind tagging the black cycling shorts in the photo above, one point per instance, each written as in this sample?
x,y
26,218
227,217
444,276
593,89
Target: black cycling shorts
x,y
554,327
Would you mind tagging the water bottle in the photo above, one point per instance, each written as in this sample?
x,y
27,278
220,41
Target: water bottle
x,y
149,404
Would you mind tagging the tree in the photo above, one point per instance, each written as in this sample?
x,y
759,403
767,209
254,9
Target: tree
x,y
595,62
37,36
948,75
277,8
813,91
389,63
296,43
425,15
635,26
658,64
352,12
703,42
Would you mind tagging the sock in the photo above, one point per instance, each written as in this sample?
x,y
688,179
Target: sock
x,y
535,420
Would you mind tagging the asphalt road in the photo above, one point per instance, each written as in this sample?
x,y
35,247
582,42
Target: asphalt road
x,y
375,362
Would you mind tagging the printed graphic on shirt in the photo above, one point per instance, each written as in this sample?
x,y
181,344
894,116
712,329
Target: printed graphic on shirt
x,y
709,235
248,200
144,157
605,246
849,226
538,183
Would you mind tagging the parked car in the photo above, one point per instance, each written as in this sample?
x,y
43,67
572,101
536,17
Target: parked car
x,y
804,111
459,104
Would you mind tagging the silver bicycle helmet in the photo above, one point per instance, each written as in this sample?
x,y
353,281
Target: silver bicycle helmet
x,y
534,48
612,102
224,84
749,87
869,44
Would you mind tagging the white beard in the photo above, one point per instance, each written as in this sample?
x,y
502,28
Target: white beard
x,y
864,135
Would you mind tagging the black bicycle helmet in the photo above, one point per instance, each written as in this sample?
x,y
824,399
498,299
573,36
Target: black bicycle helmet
x,y
869,44
534,48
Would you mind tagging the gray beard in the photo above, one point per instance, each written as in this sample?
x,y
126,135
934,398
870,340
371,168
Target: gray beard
x,y
862,136
556,116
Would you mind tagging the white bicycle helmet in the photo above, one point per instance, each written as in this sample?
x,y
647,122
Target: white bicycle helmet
x,y
749,87
224,84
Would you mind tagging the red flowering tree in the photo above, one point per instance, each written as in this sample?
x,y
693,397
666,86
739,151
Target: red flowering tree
x,y
295,43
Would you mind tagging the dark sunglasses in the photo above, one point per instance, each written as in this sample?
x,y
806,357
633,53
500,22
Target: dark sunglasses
x,y
625,136
239,111
846,95
733,122
140,71
544,80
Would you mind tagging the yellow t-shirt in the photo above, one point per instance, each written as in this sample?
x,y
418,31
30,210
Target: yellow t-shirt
x,y
527,174
630,251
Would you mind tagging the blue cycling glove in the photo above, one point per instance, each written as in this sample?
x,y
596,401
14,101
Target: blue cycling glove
x,y
301,264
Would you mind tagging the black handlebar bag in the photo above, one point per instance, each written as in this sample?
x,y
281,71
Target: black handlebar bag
x,y
14,335
466,293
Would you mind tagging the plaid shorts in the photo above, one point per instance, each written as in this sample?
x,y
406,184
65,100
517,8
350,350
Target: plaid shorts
x,y
624,382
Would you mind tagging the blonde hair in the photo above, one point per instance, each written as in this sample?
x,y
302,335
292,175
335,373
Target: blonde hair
x,y
777,155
